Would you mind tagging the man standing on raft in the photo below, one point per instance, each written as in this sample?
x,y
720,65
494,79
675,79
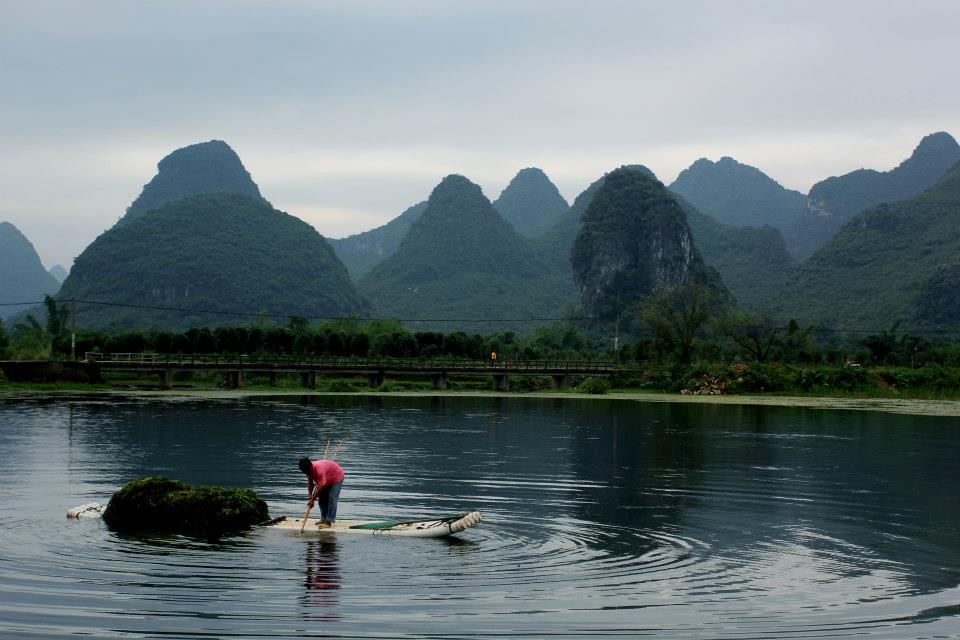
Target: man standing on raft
x,y
324,479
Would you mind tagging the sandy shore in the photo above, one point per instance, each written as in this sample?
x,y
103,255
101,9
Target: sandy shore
x,y
889,405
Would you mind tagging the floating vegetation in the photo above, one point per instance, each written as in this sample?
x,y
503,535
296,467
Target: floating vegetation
x,y
155,503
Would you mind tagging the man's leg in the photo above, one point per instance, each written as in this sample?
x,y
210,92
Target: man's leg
x,y
332,499
322,500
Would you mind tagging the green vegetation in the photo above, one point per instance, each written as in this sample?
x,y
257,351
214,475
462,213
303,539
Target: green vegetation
x,y
531,203
219,251
753,263
895,262
362,251
208,167
834,201
634,241
22,276
462,260
738,194
157,504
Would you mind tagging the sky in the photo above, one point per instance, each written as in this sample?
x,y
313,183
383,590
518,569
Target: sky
x,y
346,113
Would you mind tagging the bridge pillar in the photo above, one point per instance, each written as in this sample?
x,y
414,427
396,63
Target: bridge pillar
x,y
374,379
238,379
308,379
560,380
438,381
166,379
273,378
501,382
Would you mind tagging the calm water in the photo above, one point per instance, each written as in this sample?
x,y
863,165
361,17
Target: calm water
x,y
602,519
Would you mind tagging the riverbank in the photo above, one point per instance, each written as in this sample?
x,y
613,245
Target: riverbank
x,y
908,406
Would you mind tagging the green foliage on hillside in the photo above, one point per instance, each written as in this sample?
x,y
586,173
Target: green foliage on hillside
x,y
895,262
634,241
22,276
207,167
738,194
462,261
362,251
225,252
531,203
753,262
832,202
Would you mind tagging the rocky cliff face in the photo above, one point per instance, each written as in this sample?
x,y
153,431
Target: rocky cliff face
x,y
832,202
634,241
738,194
207,167
22,276
531,203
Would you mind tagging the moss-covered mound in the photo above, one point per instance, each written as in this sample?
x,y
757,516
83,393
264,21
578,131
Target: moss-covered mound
x,y
156,503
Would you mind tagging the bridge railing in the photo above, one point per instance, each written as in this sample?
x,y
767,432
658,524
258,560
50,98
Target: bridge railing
x,y
346,362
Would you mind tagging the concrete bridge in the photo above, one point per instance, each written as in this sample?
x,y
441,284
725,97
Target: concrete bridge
x,y
237,366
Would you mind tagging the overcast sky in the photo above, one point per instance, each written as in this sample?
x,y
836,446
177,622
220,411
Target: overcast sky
x,y
347,113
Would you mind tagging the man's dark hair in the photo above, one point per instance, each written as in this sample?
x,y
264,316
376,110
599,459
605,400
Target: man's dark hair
x,y
305,464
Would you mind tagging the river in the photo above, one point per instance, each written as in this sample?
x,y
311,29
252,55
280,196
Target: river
x,y
602,518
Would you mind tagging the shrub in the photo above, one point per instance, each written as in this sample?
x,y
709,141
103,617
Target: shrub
x,y
339,385
597,386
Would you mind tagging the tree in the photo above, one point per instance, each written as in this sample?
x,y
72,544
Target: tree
x,y
4,341
754,334
676,316
882,345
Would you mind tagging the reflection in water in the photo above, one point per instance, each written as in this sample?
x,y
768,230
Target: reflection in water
x,y
322,579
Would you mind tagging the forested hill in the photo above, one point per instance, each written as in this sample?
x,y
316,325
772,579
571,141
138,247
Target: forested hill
x,y
894,262
739,195
225,252
462,260
531,203
206,167
22,276
835,200
361,251
634,241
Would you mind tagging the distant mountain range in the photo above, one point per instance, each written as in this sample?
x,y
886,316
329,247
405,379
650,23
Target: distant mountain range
x,y
738,194
893,262
201,235
531,203
58,272
22,276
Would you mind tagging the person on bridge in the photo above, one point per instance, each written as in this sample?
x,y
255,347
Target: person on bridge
x,y
324,480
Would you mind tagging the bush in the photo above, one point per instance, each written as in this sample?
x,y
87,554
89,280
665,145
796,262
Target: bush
x,y
597,386
338,386
155,503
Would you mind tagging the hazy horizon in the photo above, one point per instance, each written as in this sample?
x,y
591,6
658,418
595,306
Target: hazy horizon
x,y
346,114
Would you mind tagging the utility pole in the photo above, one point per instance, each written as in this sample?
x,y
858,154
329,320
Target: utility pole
x,y
616,339
73,333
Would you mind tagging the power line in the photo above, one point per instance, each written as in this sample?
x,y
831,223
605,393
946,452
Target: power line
x,y
264,314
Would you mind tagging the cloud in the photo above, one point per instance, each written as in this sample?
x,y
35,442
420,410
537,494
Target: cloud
x,y
352,111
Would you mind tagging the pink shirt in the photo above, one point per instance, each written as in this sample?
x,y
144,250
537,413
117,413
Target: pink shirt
x,y
324,473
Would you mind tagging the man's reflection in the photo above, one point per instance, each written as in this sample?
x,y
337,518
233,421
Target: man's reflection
x,y
322,579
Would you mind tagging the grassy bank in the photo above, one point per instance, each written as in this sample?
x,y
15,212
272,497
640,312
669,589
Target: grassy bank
x,y
931,382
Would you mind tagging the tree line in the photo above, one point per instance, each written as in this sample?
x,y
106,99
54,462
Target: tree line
x,y
681,326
